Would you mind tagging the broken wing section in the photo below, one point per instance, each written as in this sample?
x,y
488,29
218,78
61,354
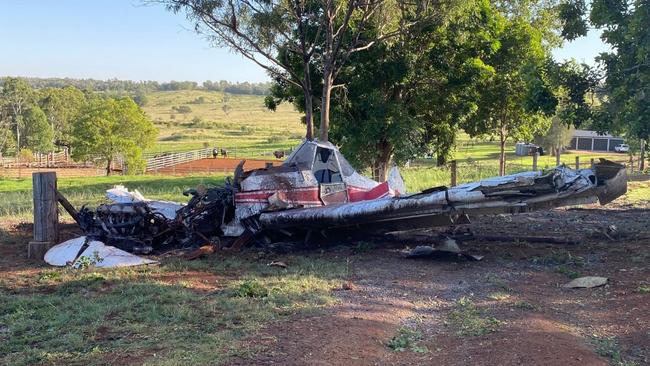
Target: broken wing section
x,y
515,193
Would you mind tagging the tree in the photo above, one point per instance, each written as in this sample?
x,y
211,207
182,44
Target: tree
x,y
112,128
556,138
410,95
572,83
6,136
626,106
17,95
515,100
37,132
273,34
62,107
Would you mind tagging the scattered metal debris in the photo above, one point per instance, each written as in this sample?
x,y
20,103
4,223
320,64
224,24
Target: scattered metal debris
x,y
586,282
83,250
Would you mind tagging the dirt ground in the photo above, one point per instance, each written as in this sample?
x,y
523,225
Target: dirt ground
x,y
514,308
517,283
220,164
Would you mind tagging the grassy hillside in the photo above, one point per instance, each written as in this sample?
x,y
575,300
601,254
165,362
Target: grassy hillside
x,y
244,123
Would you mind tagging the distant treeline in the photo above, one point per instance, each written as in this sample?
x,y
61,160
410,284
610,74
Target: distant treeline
x,y
132,87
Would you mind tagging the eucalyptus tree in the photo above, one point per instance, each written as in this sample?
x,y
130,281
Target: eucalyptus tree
x,y
272,33
62,107
16,95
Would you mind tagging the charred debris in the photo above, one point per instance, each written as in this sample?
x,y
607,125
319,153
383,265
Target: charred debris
x,y
316,194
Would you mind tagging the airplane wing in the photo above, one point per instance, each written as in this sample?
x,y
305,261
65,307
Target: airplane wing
x,y
522,192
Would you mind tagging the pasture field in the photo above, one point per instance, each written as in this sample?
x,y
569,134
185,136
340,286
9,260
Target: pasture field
x,y
16,194
250,127
245,124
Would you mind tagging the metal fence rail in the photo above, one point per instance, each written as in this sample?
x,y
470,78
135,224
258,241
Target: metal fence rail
x,y
170,159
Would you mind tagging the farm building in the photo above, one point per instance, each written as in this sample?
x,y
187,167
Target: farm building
x,y
592,141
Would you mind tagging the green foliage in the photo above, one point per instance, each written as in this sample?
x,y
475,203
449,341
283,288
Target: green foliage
x,y
470,321
141,99
515,99
26,156
643,289
112,128
608,347
558,135
252,288
38,133
85,262
62,107
524,305
407,339
626,107
16,95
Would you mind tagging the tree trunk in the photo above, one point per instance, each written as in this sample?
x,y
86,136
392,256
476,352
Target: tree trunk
x,y
382,164
558,152
309,107
309,115
642,156
441,159
502,153
17,137
108,167
325,106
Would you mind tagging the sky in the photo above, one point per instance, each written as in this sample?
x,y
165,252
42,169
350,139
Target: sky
x,y
124,39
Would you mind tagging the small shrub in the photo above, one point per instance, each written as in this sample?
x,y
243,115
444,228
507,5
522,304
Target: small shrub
x,y
183,109
643,289
406,339
567,271
469,321
26,156
275,139
607,347
86,262
524,305
252,288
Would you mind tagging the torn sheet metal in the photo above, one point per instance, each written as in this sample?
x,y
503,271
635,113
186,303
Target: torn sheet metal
x,y
75,252
120,194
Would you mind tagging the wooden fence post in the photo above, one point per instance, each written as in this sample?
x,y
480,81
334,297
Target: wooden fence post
x,y
454,172
593,162
577,162
535,161
631,164
46,215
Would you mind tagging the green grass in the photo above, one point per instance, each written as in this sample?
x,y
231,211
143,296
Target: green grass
x,y
98,317
468,320
407,339
16,194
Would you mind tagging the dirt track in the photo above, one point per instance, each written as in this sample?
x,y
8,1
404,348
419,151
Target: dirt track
x,y
226,165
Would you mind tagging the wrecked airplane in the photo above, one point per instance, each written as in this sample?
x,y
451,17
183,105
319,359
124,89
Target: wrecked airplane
x,y
316,191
